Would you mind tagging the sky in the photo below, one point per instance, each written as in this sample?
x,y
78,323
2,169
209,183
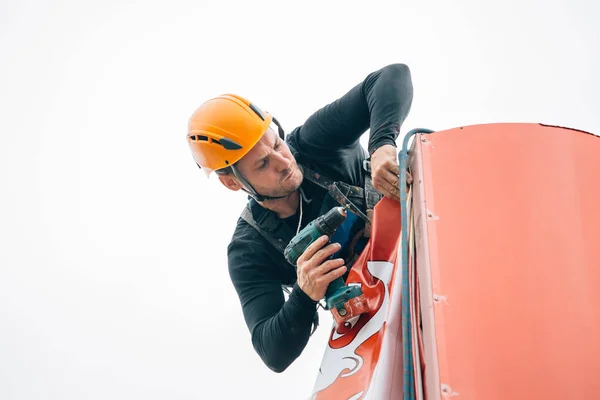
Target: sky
x,y
113,273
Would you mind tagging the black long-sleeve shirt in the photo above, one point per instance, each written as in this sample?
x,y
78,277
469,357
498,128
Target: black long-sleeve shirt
x,y
329,141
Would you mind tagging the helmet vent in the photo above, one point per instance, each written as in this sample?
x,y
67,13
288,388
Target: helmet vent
x,y
227,144
197,138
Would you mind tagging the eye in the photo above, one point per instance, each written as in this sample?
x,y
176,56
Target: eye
x,y
277,144
263,164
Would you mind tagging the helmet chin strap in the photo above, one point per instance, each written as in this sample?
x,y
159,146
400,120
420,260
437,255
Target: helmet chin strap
x,y
251,191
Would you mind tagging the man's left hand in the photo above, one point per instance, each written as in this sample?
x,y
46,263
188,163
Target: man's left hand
x,y
384,172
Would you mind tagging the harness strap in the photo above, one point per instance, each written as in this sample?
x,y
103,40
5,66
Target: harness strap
x,y
279,243
346,195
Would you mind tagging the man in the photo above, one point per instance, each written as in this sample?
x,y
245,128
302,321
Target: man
x,y
236,139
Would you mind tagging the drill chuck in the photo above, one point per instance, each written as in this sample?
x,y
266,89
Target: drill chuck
x,y
328,223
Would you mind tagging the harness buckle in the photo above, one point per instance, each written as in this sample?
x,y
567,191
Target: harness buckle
x,y
367,165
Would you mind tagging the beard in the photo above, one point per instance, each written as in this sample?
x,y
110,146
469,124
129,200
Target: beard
x,y
287,184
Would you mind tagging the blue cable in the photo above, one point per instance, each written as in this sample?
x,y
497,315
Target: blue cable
x,y
409,384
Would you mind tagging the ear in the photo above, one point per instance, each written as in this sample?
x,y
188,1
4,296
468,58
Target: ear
x,y
230,182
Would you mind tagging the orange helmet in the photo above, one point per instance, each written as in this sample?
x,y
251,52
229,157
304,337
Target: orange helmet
x,y
224,129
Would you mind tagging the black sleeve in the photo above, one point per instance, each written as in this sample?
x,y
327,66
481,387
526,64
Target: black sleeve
x,y
380,103
280,329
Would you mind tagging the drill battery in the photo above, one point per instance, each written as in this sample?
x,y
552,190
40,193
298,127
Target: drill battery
x,y
347,303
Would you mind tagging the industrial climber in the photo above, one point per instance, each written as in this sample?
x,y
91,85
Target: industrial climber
x,y
287,179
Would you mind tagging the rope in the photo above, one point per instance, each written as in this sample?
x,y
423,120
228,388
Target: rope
x,y
408,361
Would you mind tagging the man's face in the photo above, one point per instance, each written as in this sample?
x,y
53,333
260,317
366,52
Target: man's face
x,y
270,167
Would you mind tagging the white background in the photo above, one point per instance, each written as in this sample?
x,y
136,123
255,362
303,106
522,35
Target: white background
x,y
113,275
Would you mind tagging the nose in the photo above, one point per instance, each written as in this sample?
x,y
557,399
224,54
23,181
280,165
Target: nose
x,y
281,162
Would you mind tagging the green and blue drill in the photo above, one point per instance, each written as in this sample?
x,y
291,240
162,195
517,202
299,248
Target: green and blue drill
x,y
344,301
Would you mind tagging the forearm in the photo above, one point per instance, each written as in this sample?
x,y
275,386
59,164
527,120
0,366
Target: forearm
x,y
381,103
389,94
280,339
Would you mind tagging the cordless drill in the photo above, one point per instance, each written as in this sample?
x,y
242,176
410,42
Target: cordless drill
x,y
344,301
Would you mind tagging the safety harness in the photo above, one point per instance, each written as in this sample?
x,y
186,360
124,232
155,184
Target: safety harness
x,y
354,198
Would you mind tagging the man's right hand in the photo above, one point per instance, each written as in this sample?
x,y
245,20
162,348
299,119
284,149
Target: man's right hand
x,y
315,272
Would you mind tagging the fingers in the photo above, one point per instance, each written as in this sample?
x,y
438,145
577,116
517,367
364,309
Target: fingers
x,y
390,184
333,275
312,249
387,184
315,272
329,266
321,255
386,181
328,271
315,281
393,167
